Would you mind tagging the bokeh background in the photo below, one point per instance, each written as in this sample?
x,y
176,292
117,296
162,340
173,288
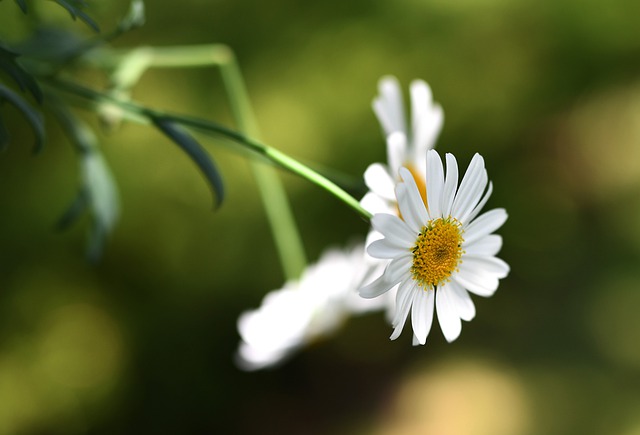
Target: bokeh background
x,y
143,342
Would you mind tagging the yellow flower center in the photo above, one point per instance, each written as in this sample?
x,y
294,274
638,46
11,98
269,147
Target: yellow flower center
x,y
437,252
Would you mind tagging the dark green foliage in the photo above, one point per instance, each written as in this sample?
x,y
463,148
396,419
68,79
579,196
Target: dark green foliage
x,y
22,4
32,116
9,64
50,46
74,7
197,154
98,192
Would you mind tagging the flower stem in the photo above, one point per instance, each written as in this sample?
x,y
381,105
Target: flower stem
x,y
140,113
128,66
274,198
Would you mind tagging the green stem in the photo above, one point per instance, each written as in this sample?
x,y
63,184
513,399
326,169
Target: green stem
x,y
143,114
274,198
130,65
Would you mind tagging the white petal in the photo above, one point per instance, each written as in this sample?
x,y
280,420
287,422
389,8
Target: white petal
x,y
421,99
403,305
396,152
422,313
492,265
448,316
378,180
375,204
405,209
410,202
435,184
279,323
463,302
374,289
479,206
399,268
251,358
488,245
427,118
414,341
475,196
394,229
450,184
404,296
471,187
384,250
388,106
484,225
372,236
476,281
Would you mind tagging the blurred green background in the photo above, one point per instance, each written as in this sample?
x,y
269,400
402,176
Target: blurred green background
x,y
143,342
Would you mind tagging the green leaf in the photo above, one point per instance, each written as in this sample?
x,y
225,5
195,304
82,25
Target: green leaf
x,y
98,191
50,44
104,201
197,154
74,7
32,116
24,80
23,5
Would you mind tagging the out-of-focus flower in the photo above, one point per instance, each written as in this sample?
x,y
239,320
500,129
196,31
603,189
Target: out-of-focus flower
x,y
306,309
406,145
438,249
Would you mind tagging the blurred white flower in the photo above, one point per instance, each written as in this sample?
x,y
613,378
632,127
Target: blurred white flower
x,y
306,309
438,249
406,146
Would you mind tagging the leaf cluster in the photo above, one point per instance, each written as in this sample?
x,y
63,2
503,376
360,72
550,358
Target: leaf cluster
x,y
24,67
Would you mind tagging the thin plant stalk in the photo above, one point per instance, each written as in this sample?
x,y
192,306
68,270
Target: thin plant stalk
x,y
139,113
274,198
129,67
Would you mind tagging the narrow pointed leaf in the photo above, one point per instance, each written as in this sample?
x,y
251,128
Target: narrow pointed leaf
x,y
74,7
98,191
32,116
24,80
23,5
197,154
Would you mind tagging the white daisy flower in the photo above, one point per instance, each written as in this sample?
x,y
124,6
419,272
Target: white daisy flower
x,y
305,310
406,147
439,249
